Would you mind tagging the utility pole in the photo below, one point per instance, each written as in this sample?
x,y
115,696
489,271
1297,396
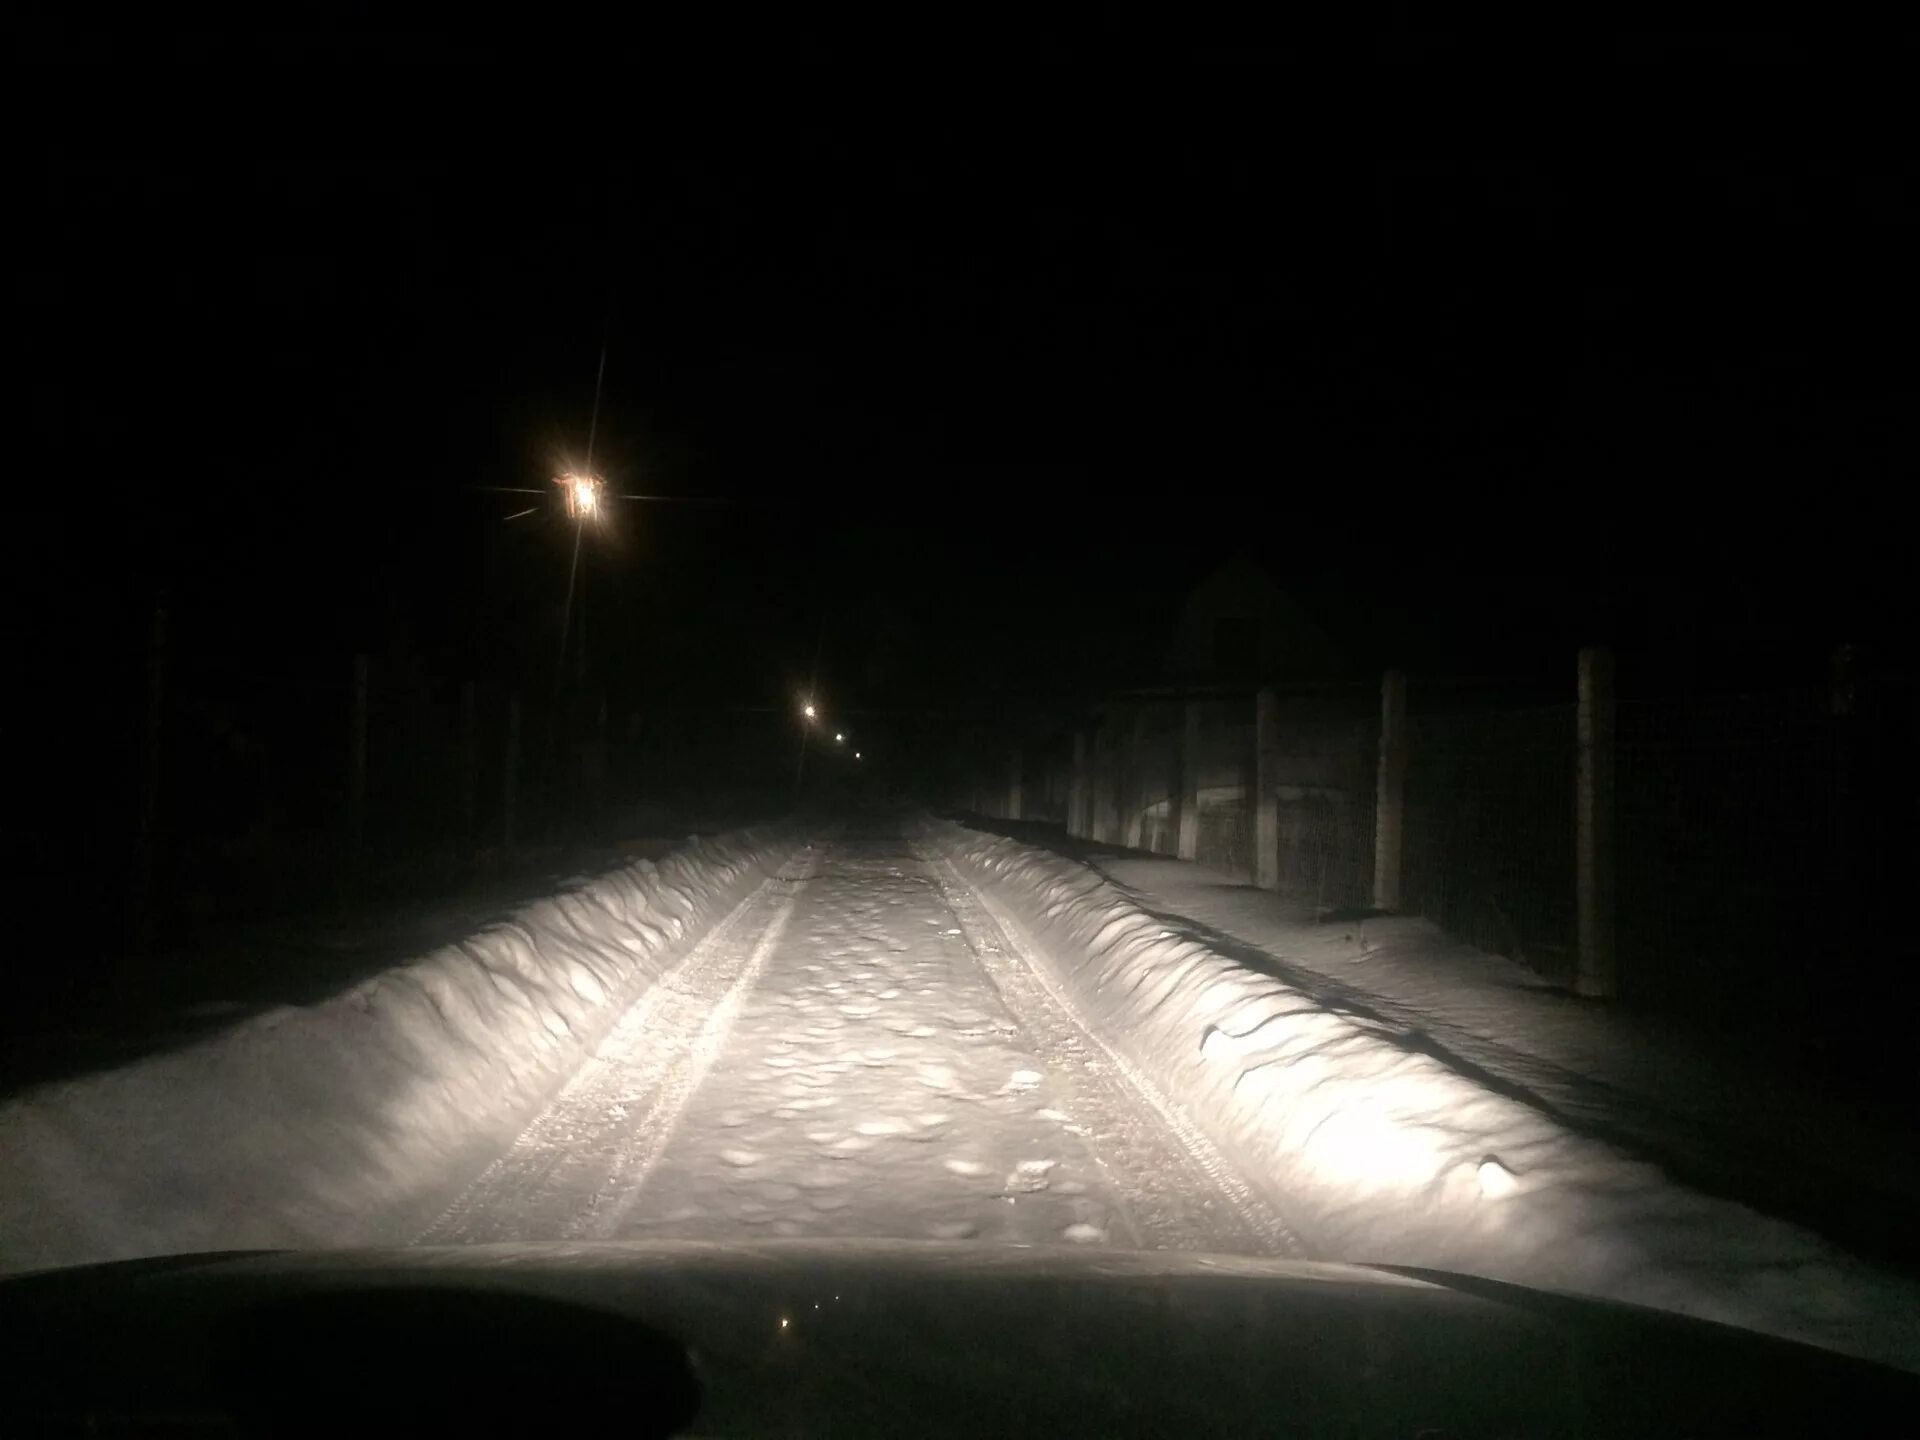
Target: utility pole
x,y
469,768
510,774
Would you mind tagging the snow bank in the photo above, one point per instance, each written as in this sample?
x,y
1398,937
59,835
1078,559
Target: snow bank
x,y
1377,1147
356,1120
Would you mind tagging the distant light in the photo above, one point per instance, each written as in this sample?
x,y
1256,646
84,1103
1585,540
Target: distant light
x,y
838,738
783,1322
807,710
856,754
585,496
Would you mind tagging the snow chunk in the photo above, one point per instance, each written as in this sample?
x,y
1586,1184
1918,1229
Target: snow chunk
x,y
1496,1181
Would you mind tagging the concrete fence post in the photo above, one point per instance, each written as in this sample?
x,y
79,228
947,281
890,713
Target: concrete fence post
x,y
1187,847
1390,797
1112,779
1016,773
1134,812
1266,794
1596,971
1077,788
1099,786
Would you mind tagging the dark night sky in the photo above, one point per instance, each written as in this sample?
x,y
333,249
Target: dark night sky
x,y
985,372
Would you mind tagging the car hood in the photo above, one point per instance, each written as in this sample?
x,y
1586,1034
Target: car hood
x,y
840,1338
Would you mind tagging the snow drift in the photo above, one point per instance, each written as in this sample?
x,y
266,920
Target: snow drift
x,y
1375,1148
356,1120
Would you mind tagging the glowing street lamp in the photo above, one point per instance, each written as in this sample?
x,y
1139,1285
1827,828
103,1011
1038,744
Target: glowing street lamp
x,y
856,754
582,493
838,738
808,710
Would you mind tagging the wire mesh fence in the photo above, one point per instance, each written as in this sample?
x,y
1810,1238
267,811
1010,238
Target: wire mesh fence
x,y
1751,851
1226,834
1489,830
1757,844
1759,841
340,780
265,810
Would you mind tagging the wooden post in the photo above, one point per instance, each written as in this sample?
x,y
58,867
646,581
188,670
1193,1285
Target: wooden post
x,y
1596,972
1266,794
357,775
1390,798
1015,775
1188,846
469,765
1134,810
152,754
510,774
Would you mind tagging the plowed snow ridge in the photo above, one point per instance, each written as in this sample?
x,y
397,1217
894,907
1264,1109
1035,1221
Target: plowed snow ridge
x,y
1376,1151
354,1121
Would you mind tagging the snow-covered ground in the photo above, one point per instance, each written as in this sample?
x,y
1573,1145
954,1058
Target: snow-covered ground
x,y
1394,1118
934,1033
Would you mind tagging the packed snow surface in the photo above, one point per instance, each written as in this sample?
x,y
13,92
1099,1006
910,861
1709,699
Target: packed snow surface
x,y
851,1055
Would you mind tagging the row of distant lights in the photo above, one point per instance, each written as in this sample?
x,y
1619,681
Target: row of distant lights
x,y
839,737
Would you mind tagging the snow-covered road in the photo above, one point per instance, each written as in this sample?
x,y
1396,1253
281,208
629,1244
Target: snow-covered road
x,y
859,1049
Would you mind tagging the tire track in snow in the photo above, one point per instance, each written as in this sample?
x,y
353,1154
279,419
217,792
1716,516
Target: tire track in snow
x,y
876,1085
603,1132
661,1111
1180,1191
